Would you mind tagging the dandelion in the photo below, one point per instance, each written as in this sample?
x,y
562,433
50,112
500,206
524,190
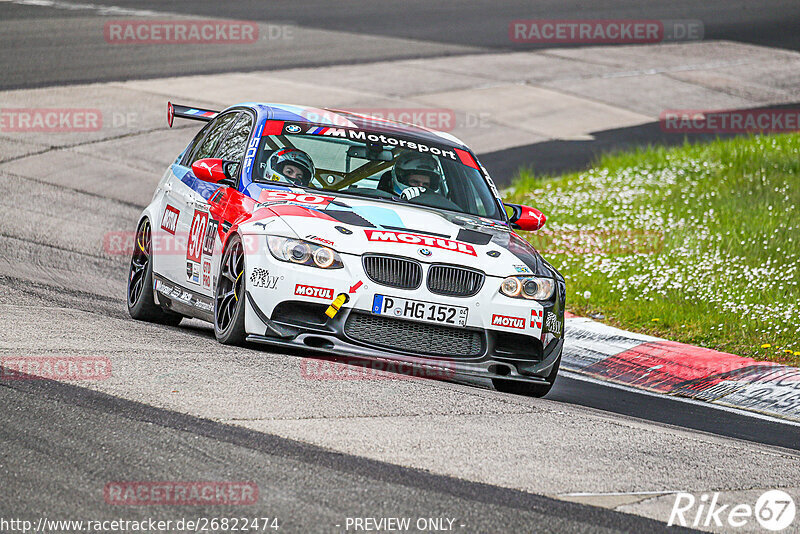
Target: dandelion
x,y
655,319
766,346
587,294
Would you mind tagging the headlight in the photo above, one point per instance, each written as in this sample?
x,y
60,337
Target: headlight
x,y
303,253
296,251
528,287
324,257
511,287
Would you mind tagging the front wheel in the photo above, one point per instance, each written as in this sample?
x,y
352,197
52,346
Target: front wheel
x,y
141,304
529,389
229,295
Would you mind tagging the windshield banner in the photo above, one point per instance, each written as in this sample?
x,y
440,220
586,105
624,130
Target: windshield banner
x,y
367,137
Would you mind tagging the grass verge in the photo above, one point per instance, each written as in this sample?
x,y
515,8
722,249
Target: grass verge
x,y
699,243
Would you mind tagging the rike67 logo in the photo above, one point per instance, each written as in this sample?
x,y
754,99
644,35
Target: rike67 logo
x,y
196,234
774,510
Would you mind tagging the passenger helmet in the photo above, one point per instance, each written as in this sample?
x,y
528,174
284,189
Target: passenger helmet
x,y
409,163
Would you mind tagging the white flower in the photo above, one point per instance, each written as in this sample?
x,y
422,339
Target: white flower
x,y
587,294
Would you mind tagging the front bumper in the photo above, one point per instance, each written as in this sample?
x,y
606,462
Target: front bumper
x,y
277,315
310,329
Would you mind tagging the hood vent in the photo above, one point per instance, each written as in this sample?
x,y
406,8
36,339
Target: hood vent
x,y
349,217
473,237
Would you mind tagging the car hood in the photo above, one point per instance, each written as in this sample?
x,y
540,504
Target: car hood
x,y
359,226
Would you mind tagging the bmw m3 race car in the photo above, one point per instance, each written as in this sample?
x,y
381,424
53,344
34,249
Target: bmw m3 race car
x,y
348,234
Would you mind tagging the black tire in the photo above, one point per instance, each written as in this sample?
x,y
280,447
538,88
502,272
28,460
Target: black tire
x,y
529,389
229,295
141,304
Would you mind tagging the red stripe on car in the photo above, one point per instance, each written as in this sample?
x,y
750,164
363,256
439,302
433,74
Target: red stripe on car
x,y
273,128
466,158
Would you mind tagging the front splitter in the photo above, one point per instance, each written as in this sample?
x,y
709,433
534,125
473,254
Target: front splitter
x,y
434,368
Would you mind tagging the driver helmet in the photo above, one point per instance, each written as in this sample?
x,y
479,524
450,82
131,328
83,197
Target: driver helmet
x,y
409,163
278,161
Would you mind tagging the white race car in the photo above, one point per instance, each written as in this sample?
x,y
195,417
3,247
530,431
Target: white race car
x,y
352,235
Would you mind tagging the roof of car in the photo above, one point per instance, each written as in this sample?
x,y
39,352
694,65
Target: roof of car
x,y
350,119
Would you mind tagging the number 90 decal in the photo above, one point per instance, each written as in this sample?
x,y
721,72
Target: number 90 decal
x,y
318,201
197,233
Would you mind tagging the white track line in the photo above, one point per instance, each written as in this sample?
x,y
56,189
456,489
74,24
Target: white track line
x,y
99,9
618,493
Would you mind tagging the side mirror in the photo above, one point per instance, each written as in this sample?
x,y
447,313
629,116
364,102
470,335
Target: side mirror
x,y
524,217
214,170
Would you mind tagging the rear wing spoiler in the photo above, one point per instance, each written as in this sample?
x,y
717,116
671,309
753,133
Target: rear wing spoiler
x,y
186,112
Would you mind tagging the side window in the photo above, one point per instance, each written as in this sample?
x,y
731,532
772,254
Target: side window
x,y
235,143
195,144
217,129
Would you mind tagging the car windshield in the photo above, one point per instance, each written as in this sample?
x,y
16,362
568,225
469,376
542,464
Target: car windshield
x,y
379,167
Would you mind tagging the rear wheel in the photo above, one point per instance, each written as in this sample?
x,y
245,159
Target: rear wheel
x,y
229,295
529,389
141,304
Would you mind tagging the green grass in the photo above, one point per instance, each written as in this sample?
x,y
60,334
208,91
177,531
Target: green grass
x,y
699,243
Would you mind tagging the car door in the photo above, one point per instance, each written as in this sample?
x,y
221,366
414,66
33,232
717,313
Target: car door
x,y
185,209
231,149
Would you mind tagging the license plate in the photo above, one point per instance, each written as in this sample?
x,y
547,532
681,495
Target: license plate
x,y
416,310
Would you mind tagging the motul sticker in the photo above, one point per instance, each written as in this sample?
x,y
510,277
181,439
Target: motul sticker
x,y
169,221
316,292
197,232
417,239
318,201
536,318
508,322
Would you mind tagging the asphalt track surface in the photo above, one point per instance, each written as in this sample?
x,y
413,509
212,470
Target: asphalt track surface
x,y
35,59
307,488
62,442
53,42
